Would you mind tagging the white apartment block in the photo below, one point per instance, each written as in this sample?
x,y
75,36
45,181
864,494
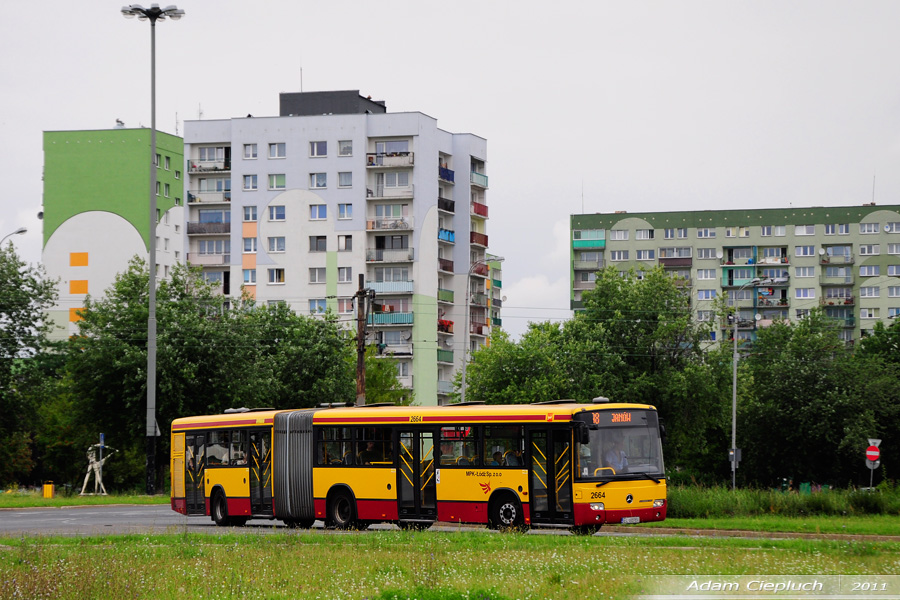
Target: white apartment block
x,y
294,208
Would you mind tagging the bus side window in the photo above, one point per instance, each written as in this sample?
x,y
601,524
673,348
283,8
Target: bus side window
x,y
217,448
238,452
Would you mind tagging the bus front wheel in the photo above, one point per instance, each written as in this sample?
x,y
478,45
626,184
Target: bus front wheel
x,y
506,513
220,510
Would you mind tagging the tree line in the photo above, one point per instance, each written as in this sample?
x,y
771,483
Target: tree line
x,y
55,398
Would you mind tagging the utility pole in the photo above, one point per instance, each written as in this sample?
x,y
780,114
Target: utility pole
x,y
361,342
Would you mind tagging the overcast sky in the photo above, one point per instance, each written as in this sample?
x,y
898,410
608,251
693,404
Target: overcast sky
x,y
588,106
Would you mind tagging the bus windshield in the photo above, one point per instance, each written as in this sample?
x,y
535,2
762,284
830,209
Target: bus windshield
x,y
622,444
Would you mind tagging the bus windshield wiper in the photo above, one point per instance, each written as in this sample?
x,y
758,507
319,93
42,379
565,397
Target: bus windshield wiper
x,y
649,476
602,483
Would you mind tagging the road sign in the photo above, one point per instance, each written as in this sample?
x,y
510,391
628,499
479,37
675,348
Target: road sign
x,y
873,453
873,464
874,442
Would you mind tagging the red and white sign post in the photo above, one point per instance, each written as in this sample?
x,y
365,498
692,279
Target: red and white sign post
x,y
873,458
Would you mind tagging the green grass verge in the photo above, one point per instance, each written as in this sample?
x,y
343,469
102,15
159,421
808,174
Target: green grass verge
x,y
16,499
819,524
400,564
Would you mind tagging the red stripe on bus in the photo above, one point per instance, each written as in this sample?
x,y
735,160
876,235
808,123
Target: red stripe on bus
x,y
219,423
442,419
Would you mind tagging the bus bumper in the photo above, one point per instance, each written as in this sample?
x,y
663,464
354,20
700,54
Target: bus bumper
x,y
585,515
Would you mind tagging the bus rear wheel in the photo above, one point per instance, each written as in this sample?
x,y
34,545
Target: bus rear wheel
x,y
506,513
220,510
342,513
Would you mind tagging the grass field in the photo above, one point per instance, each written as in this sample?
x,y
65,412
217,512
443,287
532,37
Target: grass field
x,y
17,499
402,564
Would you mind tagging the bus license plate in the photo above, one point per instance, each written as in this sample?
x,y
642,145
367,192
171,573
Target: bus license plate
x,y
630,520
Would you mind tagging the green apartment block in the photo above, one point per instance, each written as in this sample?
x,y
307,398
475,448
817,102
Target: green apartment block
x,y
845,259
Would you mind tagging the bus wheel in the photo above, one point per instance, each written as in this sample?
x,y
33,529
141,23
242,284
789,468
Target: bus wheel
x,y
343,512
584,529
220,510
299,523
506,513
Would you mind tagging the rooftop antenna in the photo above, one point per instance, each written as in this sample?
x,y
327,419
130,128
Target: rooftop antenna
x,y
200,112
176,123
301,80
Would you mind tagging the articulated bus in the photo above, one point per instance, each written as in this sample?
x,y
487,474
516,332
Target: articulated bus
x,y
551,464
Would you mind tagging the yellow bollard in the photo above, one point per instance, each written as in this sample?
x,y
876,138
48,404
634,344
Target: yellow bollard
x,y
49,490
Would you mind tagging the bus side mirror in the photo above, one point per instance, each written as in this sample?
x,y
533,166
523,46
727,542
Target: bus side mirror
x,y
662,431
581,433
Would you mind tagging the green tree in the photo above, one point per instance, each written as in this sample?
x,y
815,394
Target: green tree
x,y
25,296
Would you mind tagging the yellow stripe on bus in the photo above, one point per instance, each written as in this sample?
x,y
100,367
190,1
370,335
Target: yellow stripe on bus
x,y
538,449
427,480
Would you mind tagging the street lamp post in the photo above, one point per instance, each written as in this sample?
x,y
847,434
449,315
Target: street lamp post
x,y
462,389
19,231
152,14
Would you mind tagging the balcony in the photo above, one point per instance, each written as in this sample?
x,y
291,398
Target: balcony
x,y
478,299
496,322
445,356
479,209
206,166
680,261
479,269
391,287
826,280
479,239
588,265
683,282
578,244
390,350
444,387
478,179
843,321
446,205
444,326
208,260
478,329
445,265
839,259
390,159
774,260
445,174
496,283
763,301
584,285
447,235
386,224
389,255
380,192
497,302
445,295
390,318
196,228
848,301
196,197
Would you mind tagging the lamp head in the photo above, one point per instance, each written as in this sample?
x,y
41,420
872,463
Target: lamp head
x,y
20,231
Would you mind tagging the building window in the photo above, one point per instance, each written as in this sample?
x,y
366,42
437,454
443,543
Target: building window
x,y
345,306
804,230
802,313
869,292
618,255
844,229
249,214
705,315
868,313
345,179
893,312
588,234
804,250
276,244
765,231
646,254
772,253
317,275
868,228
383,274
588,276
317,180
250,245
894,291
345,211
669,234
276,276
830,229
277,150
345,243
706,253
317,149
618,235
318,212
158,186
276,213
398,179
249,182
893,270
780,230
167,163
345,147
317,243
158,161
316,306
893,227
249,276
277,182
730,232
345,274
706,294
869,271
804,271
250,151
869,249
706,233
805,293
706,274
643,234
177,174
893,248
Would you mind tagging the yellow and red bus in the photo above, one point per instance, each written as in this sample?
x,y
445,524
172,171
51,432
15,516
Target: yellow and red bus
x,y
550,464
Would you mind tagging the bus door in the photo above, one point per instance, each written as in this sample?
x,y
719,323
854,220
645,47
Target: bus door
x,y
261,472
194,463
550,475
416,485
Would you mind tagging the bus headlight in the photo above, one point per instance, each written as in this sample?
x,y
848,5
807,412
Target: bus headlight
x,y
659,503
597,506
